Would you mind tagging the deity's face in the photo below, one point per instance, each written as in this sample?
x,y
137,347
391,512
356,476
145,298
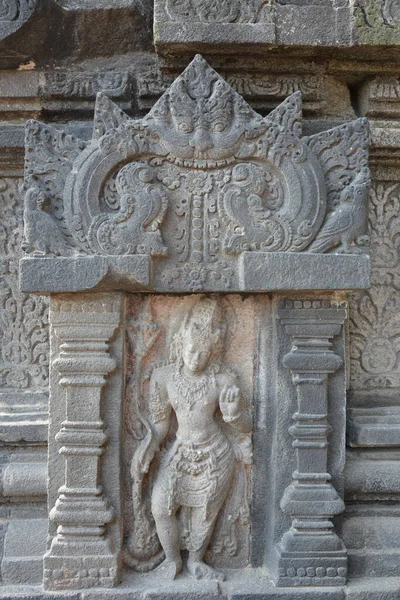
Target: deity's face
x,y
200,118
196,354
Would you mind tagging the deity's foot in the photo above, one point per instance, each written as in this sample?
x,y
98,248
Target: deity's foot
x,y
199,570
169,569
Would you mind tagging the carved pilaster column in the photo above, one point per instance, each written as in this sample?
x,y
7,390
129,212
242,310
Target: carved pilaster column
x,y
311,553
81,554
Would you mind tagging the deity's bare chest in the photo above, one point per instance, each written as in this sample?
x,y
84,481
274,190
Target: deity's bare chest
x,y
193,399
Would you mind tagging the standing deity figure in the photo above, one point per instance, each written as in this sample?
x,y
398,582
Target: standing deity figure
x,y
196,470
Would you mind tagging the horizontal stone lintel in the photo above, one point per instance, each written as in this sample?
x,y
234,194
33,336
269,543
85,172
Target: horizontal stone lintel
x,y
284,25
374,427
280,271
257,272
76,274
196,34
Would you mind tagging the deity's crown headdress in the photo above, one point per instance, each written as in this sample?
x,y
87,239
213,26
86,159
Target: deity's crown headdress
x,y
203,321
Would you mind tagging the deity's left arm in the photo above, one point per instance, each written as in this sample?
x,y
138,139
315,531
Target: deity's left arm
x,y
231,405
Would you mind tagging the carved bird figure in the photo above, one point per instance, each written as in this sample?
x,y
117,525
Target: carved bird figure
x,y
41,232
347,224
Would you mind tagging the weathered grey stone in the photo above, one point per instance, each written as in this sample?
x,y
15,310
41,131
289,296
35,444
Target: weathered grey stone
x,y
258,271
195,380
375,314
280,271
33,593
82,552
25,544
51,67
379,97
264,90
203,194
75,91
254,24
315,23
85,273
374,589
25,479
187,209
23,331
371,533
379,427
377,22
311,553
371,475
14,13
20,93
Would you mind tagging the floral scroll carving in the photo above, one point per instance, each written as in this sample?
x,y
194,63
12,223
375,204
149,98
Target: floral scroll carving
x,y
375,323
23,318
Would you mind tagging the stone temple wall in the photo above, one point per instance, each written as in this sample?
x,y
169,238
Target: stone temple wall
x,y
344,57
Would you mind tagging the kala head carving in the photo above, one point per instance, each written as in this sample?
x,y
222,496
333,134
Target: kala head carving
x,y
200,120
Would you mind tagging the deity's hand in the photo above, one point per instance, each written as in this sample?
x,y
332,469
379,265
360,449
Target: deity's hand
x,y
229,403
142,459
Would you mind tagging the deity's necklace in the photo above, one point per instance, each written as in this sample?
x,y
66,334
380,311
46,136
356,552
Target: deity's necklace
x,y
192,390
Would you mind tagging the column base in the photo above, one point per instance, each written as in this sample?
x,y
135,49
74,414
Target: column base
x,y
310,569
74,573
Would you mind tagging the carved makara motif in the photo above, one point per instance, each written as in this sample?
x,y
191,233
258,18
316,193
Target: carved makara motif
x,y
138,193
178,492
198,181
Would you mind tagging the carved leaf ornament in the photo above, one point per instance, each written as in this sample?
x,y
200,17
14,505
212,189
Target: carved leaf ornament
x,y
197,182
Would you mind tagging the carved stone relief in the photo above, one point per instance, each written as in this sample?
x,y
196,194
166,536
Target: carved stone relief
x,y
260,88
375,321
219,181
66,90
189,403
225,11
253,23
83,488
152,436
379,97
23,318
311,552
377,22
13,14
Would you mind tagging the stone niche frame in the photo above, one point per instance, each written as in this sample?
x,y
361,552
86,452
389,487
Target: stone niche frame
x,y
272,216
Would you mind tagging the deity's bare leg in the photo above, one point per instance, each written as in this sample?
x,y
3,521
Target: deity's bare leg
x,y
201,530
167,531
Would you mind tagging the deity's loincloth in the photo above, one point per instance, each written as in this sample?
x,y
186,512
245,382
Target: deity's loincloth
x,y
197,474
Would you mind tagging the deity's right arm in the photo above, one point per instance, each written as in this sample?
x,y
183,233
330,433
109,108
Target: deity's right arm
x,y
158,419
159,407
